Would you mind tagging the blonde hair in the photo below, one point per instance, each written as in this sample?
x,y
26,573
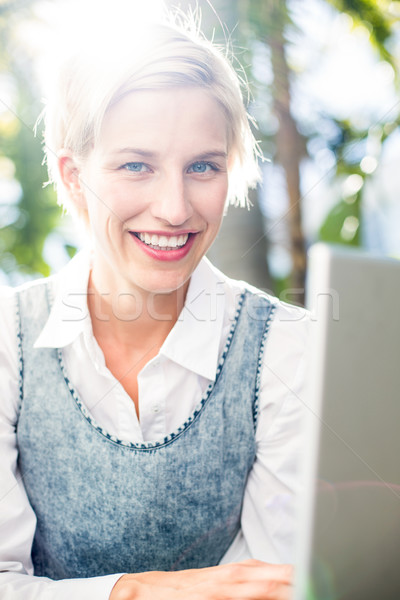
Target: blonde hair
x,y
97,76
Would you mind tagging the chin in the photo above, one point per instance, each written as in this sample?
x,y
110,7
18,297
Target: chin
x,y
165,287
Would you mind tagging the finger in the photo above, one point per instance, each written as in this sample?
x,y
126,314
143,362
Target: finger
x,y
271,590
258,571
243,572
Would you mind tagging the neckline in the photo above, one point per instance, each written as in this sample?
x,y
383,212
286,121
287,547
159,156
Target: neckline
x,y
169,438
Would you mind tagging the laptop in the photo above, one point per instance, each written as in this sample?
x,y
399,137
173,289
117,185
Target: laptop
x,y
349,540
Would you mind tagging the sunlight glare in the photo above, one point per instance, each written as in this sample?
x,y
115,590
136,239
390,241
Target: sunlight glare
x,y
349,228
352,184
368,164
68,24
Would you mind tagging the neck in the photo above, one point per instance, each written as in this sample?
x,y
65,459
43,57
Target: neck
x,y
130,318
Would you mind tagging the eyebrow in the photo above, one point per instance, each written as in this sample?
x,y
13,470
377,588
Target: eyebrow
x,y
139,151
212,154
151,154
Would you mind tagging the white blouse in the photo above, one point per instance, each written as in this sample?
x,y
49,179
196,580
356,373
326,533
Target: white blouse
x,y
268,514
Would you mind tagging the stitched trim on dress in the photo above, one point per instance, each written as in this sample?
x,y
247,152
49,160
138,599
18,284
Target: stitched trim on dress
x,y
260,362
19,350
149,446
49,292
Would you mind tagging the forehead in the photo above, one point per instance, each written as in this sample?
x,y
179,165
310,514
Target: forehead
x,y
187,117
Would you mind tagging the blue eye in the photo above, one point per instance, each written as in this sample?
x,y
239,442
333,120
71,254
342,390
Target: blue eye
x,y
135,167
201,167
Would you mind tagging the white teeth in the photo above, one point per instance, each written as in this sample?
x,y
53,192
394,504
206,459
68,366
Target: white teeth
x,y
163,241
182,240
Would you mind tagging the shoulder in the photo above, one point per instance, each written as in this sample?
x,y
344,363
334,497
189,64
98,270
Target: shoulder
x,y
27,296
285,317
9,355
9,294
8,315
26,300
9,305
287,327
73,275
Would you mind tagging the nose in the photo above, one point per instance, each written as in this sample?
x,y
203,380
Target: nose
x,y
172,203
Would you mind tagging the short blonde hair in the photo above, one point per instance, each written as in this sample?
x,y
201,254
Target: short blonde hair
x,y
95,77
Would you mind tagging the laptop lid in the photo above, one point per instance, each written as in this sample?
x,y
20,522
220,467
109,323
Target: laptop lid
x,y
349,540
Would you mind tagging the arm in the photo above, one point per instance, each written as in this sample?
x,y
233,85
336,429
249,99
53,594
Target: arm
x,y
274,483
17,527
248,580
17,520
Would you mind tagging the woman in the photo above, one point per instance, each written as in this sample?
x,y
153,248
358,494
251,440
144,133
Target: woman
x,y
150,407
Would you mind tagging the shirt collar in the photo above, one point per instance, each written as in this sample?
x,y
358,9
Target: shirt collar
x,y
201,318
200,321
69,315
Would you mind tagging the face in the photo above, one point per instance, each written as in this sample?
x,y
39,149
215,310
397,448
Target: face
x,y
155,187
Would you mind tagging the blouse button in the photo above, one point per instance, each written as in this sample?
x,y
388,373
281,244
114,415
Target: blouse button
x,y
156,408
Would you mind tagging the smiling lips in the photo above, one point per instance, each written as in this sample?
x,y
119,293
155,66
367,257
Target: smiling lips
x,y
163,242
164,247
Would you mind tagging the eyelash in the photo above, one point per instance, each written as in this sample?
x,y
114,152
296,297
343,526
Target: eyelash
x,y
212,166
141,164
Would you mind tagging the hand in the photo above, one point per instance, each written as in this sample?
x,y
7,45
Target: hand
x,y
247,580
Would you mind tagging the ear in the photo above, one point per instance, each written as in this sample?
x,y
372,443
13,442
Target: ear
x,y
69,169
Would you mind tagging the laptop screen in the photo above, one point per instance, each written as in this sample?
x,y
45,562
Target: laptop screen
x,y
349,542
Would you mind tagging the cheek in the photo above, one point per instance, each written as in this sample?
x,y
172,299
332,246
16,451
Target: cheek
x,y
114,201
211,203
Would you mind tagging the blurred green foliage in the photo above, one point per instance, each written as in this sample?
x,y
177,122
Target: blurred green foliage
x,y
378,20
36,213
348,147
373,14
